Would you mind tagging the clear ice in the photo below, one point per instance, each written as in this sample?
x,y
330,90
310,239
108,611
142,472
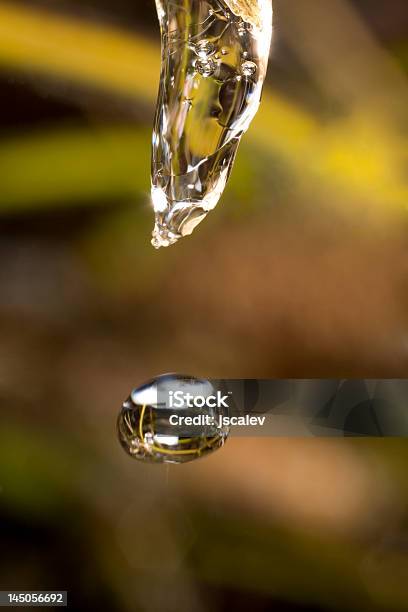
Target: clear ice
x,y
214,61
144,428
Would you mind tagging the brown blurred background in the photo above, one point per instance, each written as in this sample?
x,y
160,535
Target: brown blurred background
x,y
301,271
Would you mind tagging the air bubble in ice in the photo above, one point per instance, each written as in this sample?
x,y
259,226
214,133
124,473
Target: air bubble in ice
x,y
248,68
204,48
205,67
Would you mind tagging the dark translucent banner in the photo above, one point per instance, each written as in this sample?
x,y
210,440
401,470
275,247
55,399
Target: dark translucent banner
x,y
284,407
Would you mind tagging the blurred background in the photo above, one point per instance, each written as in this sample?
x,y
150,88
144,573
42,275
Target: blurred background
x,y
301,271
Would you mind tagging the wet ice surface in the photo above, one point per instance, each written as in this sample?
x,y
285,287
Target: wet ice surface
x,y
214,60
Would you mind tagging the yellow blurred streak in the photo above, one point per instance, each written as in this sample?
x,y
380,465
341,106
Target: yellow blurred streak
x,y
351,157
354,156
73,165
95,54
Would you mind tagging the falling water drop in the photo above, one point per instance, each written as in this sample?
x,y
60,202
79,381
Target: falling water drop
x,y
146,433
196,143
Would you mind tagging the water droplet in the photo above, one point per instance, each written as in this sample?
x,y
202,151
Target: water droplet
x,y
204,48
146,432
205,67
248,68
